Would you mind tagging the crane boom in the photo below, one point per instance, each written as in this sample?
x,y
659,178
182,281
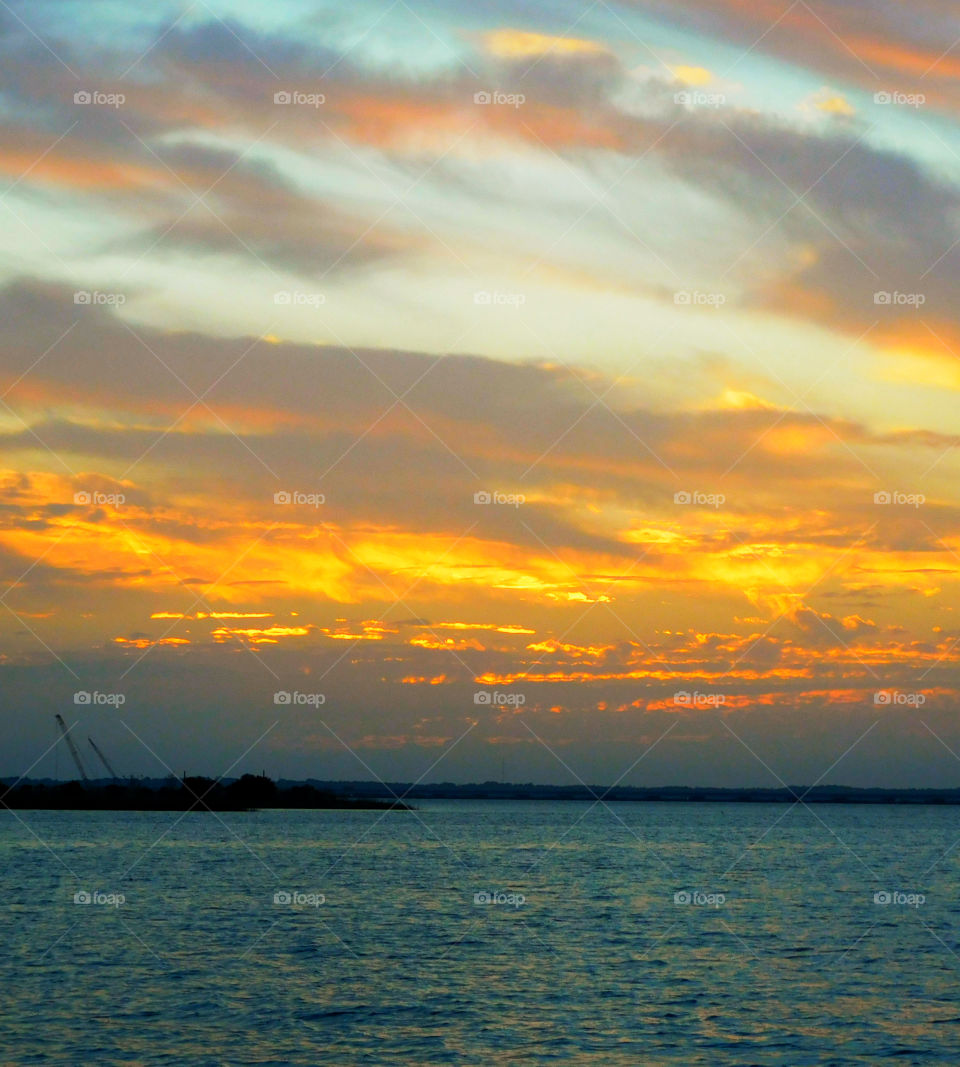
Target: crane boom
x,y
103,758
70,745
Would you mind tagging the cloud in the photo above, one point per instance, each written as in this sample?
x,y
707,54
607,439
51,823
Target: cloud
x,y
830,102
865,43
608,498
525,44
690,75
850,218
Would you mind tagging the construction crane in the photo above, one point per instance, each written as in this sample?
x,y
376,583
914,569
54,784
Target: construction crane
x,y
73,748
103,759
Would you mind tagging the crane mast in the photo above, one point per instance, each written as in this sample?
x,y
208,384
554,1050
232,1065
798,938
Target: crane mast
x,y
65,734
103,758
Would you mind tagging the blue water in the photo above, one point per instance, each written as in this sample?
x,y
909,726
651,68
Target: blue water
x,y
783,958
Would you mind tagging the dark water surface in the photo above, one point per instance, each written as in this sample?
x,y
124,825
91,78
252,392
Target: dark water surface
x,y
591,953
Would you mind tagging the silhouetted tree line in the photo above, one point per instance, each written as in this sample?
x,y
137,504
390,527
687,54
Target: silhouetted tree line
x,y
192,793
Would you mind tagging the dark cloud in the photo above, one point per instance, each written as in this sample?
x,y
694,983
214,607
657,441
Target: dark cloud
x,y
876,44
325,418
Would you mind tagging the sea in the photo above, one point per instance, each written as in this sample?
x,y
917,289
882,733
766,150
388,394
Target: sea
x,y
483,933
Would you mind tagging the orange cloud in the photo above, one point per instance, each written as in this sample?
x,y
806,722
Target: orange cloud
x,y
449,643
481,626
147,642
419,123
213,615
269,635
79,172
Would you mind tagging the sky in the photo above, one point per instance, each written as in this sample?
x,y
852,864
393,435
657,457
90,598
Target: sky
x,y
544,392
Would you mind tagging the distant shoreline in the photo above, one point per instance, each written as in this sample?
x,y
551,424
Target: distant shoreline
x,y
649,794
249,793
254,793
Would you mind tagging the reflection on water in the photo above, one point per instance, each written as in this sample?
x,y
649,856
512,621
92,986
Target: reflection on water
x,y
483,933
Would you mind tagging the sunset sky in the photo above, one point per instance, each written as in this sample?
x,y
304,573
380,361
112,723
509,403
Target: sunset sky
x,y
283,287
